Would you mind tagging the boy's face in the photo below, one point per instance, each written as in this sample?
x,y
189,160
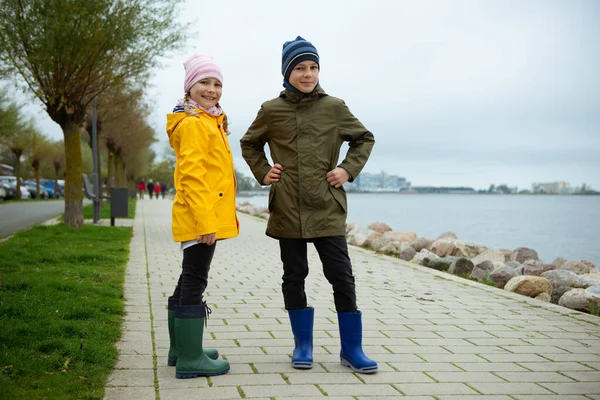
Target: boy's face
x,y
207,92
305,76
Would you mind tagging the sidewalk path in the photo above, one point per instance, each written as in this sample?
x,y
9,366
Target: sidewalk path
x,y
435,336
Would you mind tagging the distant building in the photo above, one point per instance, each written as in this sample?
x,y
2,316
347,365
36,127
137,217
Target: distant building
x,y
558,187
381,182
6,169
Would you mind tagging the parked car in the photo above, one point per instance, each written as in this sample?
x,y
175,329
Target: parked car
x,y
31,186
11,182
48,184
2,193
8,192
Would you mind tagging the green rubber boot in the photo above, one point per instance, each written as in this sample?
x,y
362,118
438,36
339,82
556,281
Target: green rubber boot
x,y
192,361
172,357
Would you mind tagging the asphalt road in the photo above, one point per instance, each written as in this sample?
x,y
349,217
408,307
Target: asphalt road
x,y
25,214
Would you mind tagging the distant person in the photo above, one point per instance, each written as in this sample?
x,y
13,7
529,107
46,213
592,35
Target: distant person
x,y
157,189
305,129
141,188
203,211
150,187
163,189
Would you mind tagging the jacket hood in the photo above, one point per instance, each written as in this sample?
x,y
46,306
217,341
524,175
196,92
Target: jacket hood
x,y
173,120
297,97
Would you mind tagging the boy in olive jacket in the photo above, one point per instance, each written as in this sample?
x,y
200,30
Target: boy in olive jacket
x,y
305,129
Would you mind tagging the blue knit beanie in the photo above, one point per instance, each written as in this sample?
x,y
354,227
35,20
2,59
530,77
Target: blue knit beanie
x,y
295,52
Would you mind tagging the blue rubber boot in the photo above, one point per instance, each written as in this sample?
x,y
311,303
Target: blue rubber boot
x,y
172,357
192,361
302,327
352,354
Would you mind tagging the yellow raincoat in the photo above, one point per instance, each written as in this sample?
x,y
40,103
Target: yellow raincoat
x,y
204,177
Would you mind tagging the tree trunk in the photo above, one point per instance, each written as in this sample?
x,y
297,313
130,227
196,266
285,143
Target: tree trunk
x,y
110,171
18,174
38,174
73,178
120,181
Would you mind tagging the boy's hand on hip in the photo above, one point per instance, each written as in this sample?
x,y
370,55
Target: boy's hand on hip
x,y
208,239
337,177
273,174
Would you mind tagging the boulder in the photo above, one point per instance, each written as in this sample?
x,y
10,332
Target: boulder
x,y
501,275
448,235
582,299
560,277
462,266
421,243
377,243
576,266
423,257
536,269
379,227
406,237
482,270
516,266
408,253
544,297
530,286
390,248
559,262
558,292
522,254
357,239
443,247
467,249
372,236
489,255
590,264
507,254
441,264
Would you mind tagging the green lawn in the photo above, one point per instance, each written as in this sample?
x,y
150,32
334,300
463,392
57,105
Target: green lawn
x,y
61,304
88,211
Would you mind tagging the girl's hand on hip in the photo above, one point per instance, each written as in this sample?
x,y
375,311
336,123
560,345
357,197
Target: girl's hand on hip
x,y
273,174
208,239
337,177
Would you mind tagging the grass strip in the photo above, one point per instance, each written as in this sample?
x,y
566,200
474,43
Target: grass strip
x,y
61,305
88,210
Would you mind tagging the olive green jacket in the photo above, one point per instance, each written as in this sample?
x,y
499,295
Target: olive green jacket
x,y
305,133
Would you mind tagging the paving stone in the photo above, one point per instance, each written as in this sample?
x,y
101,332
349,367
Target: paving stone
x,y
127,393
287,391
509,388
574,388
435,389
202,393
381,390
534,377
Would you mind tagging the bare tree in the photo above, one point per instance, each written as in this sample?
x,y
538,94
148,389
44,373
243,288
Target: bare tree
x,y
68,52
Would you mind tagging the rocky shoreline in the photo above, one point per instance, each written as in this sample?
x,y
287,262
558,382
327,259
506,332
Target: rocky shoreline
x,y
574,284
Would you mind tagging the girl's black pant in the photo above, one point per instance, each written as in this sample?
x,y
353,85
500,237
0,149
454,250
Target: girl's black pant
x,y
333,252
194,275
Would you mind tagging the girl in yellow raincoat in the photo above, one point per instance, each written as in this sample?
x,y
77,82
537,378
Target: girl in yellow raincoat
x,y
203,211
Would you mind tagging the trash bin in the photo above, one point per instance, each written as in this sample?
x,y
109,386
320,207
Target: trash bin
x,y
119,207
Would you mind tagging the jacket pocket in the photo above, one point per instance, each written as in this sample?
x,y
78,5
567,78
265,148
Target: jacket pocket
x,y
340,197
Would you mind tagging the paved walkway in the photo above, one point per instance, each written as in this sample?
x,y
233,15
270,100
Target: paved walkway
x,y
434,336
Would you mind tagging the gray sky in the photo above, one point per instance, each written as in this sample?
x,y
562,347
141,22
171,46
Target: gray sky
x,y
456,92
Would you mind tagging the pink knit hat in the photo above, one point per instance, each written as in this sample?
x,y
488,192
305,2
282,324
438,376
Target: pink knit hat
x,y
200,67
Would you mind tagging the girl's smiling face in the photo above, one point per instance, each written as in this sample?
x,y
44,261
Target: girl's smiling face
x,y
207,92
305,76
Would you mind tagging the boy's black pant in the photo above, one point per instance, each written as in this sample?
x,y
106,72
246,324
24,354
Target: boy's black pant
x,y
333,252
194,276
